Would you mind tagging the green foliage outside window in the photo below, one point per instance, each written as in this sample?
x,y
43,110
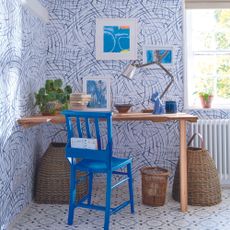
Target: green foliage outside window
x,y
215,68
223,86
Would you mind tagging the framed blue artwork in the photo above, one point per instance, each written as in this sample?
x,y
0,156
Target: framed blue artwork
x,y
162,54
116,39
99,89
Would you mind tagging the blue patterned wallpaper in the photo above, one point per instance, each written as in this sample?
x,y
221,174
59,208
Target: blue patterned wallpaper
x,y
27,58
211,113
71,56
71,53
23,49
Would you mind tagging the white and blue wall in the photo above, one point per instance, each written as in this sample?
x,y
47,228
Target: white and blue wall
x,y
23,53
31,52
71,56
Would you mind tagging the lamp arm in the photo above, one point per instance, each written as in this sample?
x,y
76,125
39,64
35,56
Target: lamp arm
x,y
162,67
146,64
170,83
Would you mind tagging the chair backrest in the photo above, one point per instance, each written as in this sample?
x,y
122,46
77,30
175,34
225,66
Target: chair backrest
x,y
86,124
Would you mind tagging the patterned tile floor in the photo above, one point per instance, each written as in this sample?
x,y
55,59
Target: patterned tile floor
x,y
167,217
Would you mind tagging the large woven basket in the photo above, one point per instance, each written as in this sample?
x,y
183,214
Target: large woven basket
x,y
154,185
203,181
53,176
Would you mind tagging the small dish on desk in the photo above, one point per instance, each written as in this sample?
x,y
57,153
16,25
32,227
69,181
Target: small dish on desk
x,y
123,108
147,110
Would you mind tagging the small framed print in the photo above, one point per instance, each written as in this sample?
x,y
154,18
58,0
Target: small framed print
x,y
99,89
162,54
116,39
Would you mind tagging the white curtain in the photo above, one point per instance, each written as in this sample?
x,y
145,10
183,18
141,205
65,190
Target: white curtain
x,y
206,4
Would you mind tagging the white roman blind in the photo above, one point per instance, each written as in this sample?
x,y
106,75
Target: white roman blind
x,y
207,4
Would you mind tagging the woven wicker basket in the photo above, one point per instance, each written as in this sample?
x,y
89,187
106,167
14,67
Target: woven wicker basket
x,y
154,185
203,181
53,176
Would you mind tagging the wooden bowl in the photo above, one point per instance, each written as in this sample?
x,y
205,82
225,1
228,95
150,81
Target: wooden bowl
x,y
123,108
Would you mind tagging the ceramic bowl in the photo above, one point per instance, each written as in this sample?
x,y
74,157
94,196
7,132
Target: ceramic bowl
x,y
123,108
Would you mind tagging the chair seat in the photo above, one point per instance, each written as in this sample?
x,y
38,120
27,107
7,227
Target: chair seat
x,y
98,166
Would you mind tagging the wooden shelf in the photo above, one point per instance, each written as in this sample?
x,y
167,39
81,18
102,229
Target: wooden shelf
x,y
58,119
39,119
152,117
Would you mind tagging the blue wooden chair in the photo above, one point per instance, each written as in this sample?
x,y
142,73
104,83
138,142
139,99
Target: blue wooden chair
x,y
79,124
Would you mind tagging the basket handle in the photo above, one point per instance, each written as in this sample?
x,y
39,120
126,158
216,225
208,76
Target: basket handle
x,y
56,133
201,138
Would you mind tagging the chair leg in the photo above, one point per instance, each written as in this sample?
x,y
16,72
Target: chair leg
x,y
131,197
108,200
73,192
90,187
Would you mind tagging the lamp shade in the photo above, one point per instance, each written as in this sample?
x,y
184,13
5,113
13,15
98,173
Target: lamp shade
x,y
129,71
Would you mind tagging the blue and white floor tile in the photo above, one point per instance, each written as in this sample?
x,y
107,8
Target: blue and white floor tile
x,y
167,217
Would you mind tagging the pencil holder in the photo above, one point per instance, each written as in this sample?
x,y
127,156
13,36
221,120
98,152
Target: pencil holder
x,y
170,107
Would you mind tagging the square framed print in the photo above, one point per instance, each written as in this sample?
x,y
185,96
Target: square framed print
x,y
164,54
116,38
99,89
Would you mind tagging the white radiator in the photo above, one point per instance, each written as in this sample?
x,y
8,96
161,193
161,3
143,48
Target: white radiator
x,y
216,135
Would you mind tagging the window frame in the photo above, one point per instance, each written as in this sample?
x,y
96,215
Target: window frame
x,y
206,4
188,53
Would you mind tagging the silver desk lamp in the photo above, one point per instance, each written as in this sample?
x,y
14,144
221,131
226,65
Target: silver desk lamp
x,y
129,72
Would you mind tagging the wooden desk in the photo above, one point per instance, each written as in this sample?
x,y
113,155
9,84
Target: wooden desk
x,y
182,118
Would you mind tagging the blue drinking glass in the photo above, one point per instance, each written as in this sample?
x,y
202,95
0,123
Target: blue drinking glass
x,y
170,107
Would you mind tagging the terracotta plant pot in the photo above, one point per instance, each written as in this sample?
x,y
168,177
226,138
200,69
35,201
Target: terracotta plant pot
x,y
206,102
52,108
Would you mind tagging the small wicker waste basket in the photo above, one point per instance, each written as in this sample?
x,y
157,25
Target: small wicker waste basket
x,y
203,181
53,176
154,185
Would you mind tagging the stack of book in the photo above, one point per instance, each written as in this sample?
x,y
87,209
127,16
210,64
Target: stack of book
x,y
79,101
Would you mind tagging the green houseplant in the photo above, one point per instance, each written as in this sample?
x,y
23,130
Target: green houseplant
x,y
206,99
53,97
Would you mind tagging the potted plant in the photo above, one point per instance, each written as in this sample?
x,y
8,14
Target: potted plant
x,y
206,99
53,97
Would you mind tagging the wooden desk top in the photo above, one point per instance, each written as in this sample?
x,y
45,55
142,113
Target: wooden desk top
x,y
57,119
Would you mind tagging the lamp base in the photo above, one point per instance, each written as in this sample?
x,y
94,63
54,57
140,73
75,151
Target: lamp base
x,y
159,110
157,104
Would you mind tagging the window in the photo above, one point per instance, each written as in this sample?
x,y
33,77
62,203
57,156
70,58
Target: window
x,y
208,55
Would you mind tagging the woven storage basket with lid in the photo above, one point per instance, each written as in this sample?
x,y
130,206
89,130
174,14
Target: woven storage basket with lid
x,y
154,185
203,181
53,176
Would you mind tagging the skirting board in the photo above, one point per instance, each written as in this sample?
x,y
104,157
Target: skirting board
x,y
37,9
